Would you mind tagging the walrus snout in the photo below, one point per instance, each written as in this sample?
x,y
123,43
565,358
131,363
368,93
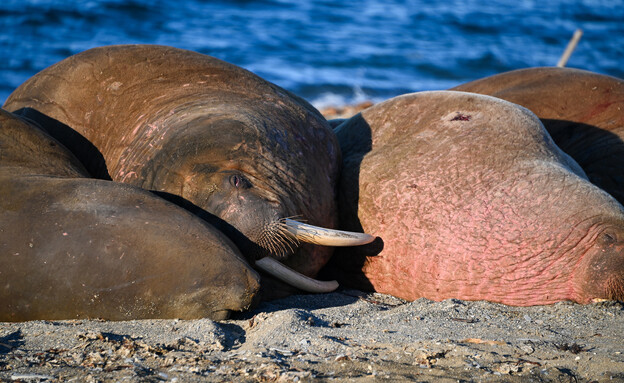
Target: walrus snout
x,y
266,243
297,231
265,238
255,225
262,221
601,272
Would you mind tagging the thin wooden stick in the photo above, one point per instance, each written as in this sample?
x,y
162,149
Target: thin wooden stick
x,y
570,48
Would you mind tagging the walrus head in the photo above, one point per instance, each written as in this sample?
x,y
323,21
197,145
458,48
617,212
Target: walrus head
x,y
268,184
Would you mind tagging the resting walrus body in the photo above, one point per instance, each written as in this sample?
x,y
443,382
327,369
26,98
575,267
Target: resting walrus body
x,y
474,201
237,150
582,111
76,247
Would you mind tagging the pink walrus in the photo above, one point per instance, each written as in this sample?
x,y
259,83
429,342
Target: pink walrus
x,y
474,201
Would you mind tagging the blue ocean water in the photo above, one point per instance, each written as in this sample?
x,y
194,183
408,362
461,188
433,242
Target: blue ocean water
x,y
329,52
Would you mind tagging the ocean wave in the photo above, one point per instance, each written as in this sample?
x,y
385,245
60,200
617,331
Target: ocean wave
x,y
325,50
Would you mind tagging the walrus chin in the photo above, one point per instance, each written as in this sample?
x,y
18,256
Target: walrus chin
x,y
290,233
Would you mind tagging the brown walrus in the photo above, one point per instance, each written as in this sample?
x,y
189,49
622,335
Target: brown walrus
x,y
582,111
474,201
239,151
76,247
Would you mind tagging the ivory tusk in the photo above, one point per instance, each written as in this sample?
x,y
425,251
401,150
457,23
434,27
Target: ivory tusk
x,y
294,278
327,237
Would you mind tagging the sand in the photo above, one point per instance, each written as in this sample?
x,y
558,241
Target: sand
x,y
343,336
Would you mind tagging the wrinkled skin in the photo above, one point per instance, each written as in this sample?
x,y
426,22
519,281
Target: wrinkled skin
x,y
76,247
474,201
235,149
582,111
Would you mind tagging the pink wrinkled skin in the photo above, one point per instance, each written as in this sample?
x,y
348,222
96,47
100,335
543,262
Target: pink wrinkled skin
x,y
484,207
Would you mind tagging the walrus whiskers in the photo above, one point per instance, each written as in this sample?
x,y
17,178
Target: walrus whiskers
x,y
286,234
277,240
287,239
614,288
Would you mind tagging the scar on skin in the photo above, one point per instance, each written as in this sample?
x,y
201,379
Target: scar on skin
x,y
461,117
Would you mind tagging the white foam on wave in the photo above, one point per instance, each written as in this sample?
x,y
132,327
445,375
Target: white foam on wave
x,y
327,99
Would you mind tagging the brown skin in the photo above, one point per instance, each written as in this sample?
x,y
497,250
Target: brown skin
x,y
76,247
582,111
474,201
235,149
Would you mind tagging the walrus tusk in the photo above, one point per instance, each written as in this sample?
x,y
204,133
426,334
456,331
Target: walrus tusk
x,y
327,237
294,278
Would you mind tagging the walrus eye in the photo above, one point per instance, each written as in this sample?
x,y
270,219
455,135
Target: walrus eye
x,y
609,238
239,182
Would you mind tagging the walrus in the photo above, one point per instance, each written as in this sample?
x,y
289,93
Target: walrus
x,y
76,247
583,112
474,201
244,154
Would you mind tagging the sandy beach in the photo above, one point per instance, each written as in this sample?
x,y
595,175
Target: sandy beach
x,y
347,335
